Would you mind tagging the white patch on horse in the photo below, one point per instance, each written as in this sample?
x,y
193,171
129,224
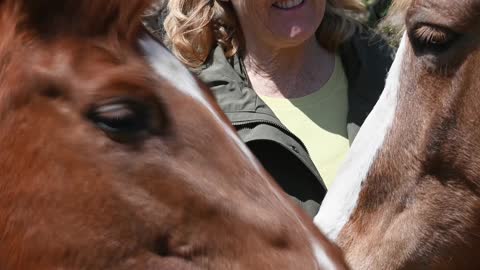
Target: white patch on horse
x,y
341,199
167,66
170,69
324,262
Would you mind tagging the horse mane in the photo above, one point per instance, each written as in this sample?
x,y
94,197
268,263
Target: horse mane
x,y
25,23
400,5
394,21
53,18
396,13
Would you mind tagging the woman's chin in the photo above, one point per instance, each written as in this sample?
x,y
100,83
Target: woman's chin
x,y
297,32
304,28
294,36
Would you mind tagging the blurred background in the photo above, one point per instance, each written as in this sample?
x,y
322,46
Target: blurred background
x,y
376,10
374,18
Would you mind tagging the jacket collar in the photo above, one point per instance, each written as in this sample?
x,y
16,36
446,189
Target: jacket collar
x,y
366,59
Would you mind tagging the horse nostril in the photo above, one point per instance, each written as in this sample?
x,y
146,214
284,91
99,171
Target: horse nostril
x,y
160,246
165,246
280,242
50,92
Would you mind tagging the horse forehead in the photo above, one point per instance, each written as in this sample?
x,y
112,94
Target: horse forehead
x,y
438,5
81,70
66,55
460,15
170,69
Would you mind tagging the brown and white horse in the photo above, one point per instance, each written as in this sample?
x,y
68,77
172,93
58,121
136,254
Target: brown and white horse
x,y
112,156
408,196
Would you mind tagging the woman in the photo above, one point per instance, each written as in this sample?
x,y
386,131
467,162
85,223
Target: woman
x,y
295,77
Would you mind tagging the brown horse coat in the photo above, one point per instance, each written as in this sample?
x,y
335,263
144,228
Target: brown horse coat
x,y
112,156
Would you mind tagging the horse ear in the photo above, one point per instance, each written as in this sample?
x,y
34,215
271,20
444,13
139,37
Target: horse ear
x,y
83,17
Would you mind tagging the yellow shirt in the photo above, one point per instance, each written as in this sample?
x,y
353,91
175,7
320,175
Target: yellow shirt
x,y
320,121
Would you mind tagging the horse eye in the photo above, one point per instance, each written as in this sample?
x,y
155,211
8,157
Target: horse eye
x,y
122,121
433,38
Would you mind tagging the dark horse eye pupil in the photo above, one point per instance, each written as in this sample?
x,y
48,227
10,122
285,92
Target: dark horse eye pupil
x,y
125,123
125,119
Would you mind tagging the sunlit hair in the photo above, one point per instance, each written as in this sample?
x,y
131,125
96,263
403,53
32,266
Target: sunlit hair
x,y
194,27
399,6
393,25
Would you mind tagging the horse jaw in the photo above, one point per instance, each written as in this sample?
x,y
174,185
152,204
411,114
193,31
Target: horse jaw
x,y
341,199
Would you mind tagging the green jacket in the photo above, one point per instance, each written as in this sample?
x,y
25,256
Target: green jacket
x,y
366,60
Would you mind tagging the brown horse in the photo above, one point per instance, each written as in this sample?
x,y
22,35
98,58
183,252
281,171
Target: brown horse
x,y
408,196
112,156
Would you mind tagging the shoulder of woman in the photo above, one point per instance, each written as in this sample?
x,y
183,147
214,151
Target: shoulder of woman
x,y
218,69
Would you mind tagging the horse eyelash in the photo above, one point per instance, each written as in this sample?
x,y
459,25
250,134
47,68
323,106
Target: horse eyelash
x,y
432,35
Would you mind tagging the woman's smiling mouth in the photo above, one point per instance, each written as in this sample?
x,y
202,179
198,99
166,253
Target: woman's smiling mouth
x,y
288,4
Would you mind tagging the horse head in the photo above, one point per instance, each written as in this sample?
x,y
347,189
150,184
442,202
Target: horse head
x,y
113,156
408,196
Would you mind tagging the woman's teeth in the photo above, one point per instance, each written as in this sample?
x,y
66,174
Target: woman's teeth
x,y
287,4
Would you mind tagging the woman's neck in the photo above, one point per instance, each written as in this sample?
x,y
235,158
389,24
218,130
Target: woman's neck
x,y
288,72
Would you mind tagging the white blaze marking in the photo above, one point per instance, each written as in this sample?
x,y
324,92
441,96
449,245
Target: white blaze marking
x,y
323,261
170,69
341,199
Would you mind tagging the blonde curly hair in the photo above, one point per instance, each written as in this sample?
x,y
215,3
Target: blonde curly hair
x,y
194,27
